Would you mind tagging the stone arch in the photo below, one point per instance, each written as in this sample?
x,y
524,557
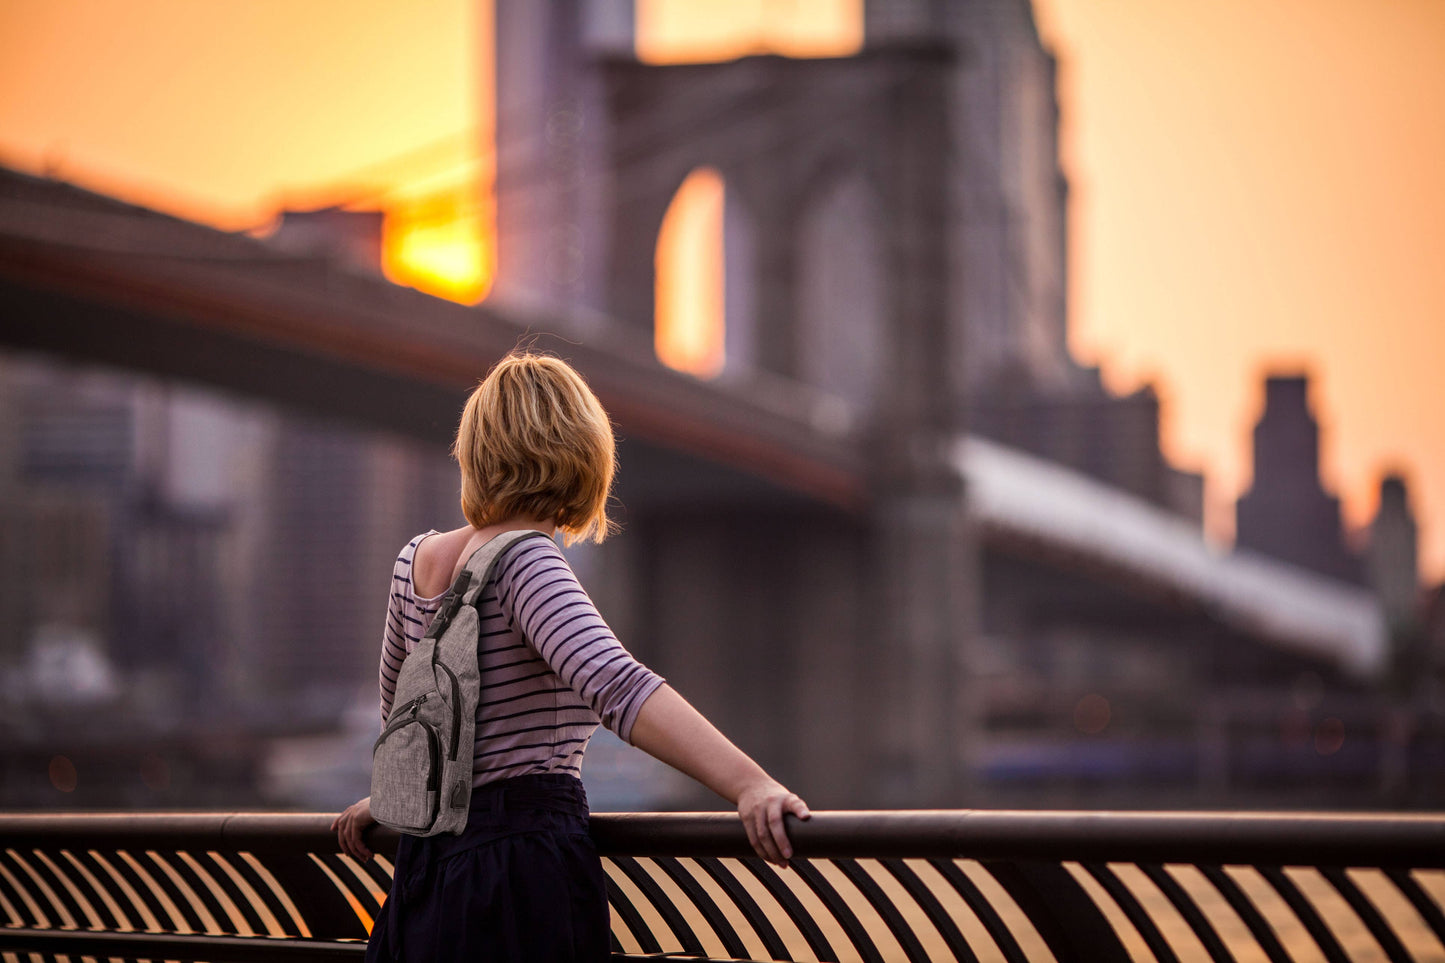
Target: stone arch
x,y
841,300
703,316
669,120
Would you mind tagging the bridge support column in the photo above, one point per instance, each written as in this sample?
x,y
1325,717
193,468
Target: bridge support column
x,y
920,664
923,552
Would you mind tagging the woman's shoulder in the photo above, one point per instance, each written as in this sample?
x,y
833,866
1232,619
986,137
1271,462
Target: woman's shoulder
x,y
525,551
529,565
521,554
433,555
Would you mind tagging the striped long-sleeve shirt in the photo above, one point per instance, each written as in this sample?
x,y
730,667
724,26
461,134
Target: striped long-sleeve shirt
x,y
551,668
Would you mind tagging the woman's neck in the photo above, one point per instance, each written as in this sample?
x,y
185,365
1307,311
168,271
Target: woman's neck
x,y
515,524
481,536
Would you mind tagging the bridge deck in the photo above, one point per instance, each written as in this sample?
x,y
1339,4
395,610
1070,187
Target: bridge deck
x,y
94,279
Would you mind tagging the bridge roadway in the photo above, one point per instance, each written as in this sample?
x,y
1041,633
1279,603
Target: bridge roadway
x,y
94,279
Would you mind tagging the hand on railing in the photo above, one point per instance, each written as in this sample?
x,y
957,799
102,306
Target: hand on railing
x,y
761,808
670,729
349,827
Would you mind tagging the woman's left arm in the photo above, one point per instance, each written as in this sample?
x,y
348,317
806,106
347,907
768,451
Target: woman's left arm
x,y
670,729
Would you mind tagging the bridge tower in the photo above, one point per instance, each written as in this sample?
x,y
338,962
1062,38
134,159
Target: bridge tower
x,y
848,175
593,145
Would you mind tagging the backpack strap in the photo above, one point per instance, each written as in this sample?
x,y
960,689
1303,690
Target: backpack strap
x,y
472,579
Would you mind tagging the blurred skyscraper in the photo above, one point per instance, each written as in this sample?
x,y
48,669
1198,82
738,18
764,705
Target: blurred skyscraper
x,y
1287,513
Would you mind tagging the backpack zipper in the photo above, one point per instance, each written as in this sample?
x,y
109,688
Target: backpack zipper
x,y
456,709
413,707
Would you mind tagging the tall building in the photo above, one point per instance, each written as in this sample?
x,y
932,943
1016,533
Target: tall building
x,y
1287,513
1392,562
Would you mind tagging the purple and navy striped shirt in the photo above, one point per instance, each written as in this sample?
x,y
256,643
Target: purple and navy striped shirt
x,y
551,668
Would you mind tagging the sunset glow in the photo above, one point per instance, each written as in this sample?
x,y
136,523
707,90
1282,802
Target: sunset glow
x,y
443,247
222,113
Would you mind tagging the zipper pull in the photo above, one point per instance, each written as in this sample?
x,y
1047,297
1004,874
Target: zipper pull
x,y
416,706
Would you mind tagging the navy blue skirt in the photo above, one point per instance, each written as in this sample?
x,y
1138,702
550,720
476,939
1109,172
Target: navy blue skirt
x,y
522,882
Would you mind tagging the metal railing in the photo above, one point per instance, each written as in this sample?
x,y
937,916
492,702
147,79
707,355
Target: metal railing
x,y
867,886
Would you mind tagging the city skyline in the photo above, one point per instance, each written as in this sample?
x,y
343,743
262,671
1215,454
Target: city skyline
x,y
415,87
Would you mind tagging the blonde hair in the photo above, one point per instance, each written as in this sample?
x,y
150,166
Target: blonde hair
x,y
534,441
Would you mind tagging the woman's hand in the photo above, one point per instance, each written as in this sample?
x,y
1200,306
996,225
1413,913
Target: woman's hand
x,y
349,826
761,808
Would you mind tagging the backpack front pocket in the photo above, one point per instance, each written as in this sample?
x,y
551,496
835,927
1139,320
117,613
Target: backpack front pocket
x,y
406,771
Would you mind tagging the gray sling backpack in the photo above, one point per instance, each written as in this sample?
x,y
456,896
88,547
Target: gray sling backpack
x,y
421,765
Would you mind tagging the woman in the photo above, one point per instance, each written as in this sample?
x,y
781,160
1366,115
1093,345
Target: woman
x,y
522,882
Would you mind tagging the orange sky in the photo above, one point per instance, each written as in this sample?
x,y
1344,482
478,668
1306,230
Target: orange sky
x,y
224,111
1259,186
1254,185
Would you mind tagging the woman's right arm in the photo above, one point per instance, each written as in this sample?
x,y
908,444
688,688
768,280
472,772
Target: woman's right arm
x,y
670,729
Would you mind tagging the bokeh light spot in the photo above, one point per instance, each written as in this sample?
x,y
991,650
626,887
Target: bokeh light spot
x,y
63,775
155,772
1294,729
1329,737
1092,714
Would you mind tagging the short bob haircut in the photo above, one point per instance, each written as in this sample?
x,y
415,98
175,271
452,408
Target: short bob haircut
x,y
534,442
